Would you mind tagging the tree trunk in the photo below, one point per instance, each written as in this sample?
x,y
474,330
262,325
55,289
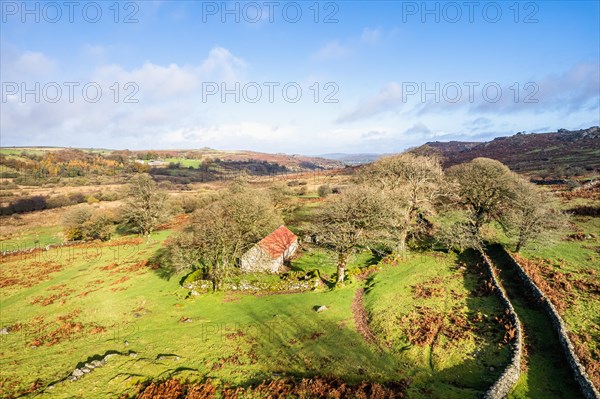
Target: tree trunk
x,y
401,247
403,234
519,245
342,259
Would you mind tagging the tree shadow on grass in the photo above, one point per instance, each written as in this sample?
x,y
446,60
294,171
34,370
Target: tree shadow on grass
x,y
548,374
478,370
164,268
306,344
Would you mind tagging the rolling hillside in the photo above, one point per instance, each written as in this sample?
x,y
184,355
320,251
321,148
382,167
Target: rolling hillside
x,y
291,162
545,154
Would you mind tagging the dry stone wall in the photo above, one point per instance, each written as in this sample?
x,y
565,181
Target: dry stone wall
x,y
509,377
587,387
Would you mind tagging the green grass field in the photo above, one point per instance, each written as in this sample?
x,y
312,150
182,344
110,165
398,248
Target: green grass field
x,y
78,304
571,268
35,237
541,377
429,322
185,163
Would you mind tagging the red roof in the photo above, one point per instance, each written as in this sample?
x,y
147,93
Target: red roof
x,y
278,241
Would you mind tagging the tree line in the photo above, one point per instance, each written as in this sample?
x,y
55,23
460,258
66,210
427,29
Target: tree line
x,y
400,200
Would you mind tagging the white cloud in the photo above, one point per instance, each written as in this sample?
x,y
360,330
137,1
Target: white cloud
x,y
332,50
222,63
153,80
478,123
32,64
96,52
167,101
418,129
390,96
230,135
371,36
373,135
161,82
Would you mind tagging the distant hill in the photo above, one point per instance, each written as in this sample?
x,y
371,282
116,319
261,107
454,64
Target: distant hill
x,y
536,153
290,162
352,159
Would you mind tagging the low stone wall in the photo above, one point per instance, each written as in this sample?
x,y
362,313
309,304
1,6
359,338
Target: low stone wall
x,y
509,377
305,282
587,387
26,251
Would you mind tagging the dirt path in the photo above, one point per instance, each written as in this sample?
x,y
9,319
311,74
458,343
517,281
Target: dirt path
x,y
546,373
360,317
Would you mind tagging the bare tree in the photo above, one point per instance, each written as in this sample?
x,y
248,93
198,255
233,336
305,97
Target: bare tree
x,y
350,220
413,184
485,187
223,231
145,208
532,217
459,236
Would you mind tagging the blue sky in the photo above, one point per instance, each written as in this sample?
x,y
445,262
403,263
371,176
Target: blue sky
x,y
376,76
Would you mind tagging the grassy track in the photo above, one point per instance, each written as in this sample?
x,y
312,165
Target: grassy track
x,y
546,374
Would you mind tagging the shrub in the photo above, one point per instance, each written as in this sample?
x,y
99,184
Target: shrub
x,y
92,200
166,185
7,185
190,203
76,198
58,201
83,224
324,190
194,276
109,196
27,204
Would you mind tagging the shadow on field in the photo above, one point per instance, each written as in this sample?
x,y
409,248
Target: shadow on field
x,y
547,373
480,368
302,344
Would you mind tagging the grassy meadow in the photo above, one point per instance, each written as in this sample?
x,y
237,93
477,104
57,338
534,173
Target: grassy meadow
x,y
72,305
427,321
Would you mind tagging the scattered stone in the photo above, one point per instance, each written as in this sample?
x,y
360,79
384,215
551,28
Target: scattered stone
x,y
72,378
132,354
85,370
98,363
33,346
492,369
126,343
185,320
321,309
167,357
77,373
4,331
90,366
109,356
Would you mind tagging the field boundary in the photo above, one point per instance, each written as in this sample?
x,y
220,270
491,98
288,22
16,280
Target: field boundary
x,y
587,387
509,377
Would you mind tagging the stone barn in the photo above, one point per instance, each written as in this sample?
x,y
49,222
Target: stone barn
x,y
270,253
